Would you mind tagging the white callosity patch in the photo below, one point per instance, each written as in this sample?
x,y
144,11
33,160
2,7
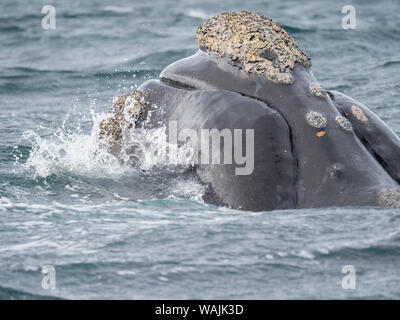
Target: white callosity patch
x,y
389,197
126,112
344,124
359,114
252,42
317,90
316,119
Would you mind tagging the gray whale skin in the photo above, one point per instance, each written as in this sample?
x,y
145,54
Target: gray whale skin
x,y
312,147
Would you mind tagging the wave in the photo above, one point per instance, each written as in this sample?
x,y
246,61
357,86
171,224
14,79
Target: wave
x,y
160,59
10,19
11,28
27,70
197,13
66,151
390,63
297,30
126,73
116,9
16,78
106,11
15,294
74,151
371,251
16,87
84,154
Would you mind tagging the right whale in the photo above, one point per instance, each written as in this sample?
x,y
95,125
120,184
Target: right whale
x,y
312,147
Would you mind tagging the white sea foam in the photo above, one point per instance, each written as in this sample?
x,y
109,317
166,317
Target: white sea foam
x,y
75,152
157,151
197,13
117,9
189,188
83,153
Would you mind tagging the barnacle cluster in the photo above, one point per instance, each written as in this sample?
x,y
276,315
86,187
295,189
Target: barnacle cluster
x,y
389,197
317,90
128,110
344,124
254,43
359,114
316,119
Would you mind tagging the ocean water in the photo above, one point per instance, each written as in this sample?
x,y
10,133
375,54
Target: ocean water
x,y
114,232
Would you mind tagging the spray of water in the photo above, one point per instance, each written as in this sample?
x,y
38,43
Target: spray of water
x,y
83,153
66,151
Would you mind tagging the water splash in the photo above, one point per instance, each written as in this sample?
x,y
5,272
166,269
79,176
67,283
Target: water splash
x,y
74,152
156,151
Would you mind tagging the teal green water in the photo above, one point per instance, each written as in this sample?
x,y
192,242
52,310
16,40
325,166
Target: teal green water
x,y
117,232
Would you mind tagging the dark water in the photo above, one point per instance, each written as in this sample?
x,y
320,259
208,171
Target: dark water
x,y
116,232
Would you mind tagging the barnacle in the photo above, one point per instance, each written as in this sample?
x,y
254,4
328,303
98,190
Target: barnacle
x,y
359,114
317,90
316,119
252,42
344,124
389,197
128,110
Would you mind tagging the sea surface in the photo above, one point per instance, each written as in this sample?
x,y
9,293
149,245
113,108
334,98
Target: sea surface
x,y
116,232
